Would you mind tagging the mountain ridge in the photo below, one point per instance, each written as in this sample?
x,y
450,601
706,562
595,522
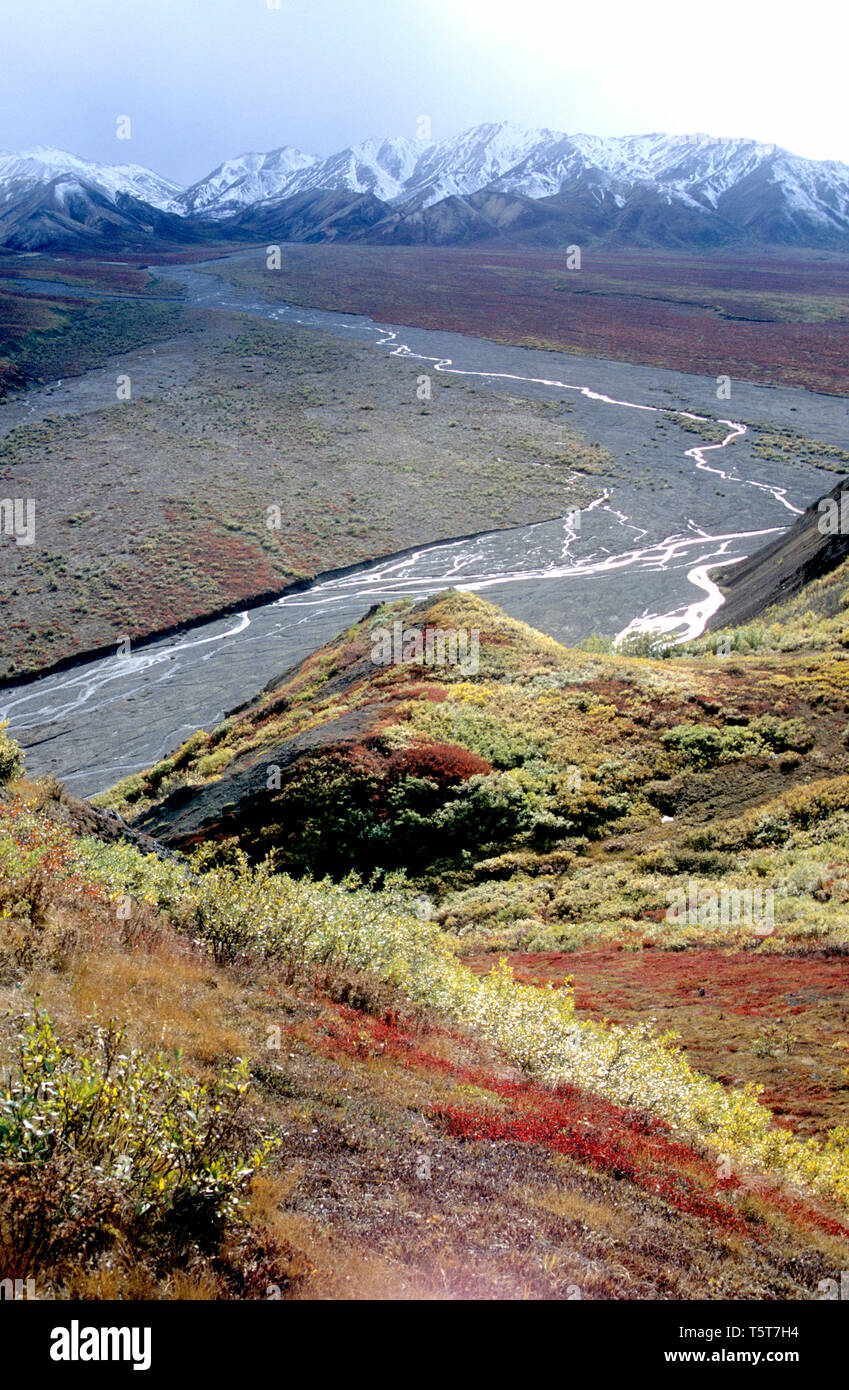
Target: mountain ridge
x,y
688,190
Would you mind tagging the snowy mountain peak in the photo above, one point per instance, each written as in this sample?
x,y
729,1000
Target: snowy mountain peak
x,y
42,164
699,188
249,178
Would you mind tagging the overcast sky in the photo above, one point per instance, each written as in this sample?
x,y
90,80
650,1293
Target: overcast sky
x,y
203,80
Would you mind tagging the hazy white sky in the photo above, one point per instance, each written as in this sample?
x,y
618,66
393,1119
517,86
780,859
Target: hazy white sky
x,y
206,79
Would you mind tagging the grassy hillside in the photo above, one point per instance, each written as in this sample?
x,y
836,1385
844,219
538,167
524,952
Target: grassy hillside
x,y
465,955
390,1125
556,806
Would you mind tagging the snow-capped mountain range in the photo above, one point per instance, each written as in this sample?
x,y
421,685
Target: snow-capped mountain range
x,y
695,169
395,171
496,181
44,166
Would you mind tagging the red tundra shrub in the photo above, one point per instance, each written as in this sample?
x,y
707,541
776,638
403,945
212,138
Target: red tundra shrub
x,y
443,763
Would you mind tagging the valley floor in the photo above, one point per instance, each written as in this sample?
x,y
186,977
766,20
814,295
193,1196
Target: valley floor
x,y
250,457
777,318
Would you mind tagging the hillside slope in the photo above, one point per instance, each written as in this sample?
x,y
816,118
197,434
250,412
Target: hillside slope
x,y
638,1102
556,805
369,1146
814,546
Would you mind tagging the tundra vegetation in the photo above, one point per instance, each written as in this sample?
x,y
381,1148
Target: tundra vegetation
x,y
399,985
52,335
776,318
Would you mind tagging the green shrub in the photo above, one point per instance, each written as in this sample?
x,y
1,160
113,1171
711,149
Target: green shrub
x,y
190,749
654,644
173,1147
221,730
353,810
214,762
782,734
11,757
503,745
133,788
232,905
596,643
584,809
702,745
121,869
698,744
158,774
